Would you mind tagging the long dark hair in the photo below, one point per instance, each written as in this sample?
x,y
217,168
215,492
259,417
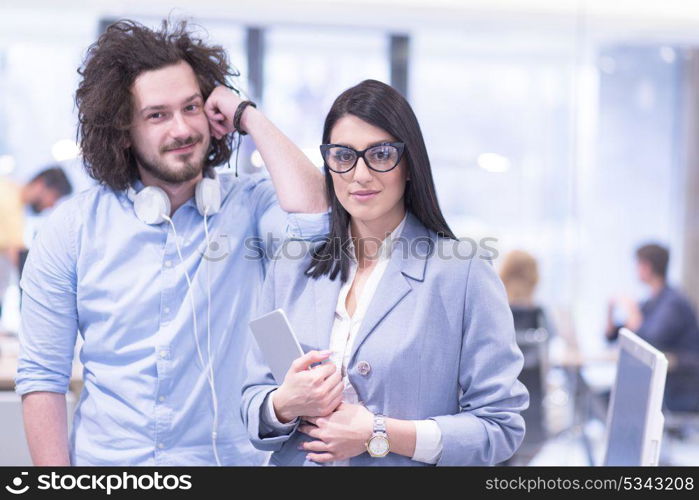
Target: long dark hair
x,y
125,50
381,106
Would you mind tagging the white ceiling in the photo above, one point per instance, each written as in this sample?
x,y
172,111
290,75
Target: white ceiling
x,y
663,19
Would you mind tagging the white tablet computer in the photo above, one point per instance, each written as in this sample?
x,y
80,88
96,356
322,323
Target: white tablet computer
x,y
277,341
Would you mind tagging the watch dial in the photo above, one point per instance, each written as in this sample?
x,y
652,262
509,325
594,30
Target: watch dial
x,y
378,445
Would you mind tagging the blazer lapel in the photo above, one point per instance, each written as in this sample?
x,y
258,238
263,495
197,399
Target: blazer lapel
x,y
408,261
325,302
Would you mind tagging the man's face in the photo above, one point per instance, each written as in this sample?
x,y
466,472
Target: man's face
x,y
38,197
169,133
644,270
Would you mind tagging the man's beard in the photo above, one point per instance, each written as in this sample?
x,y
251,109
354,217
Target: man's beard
x,y
188,170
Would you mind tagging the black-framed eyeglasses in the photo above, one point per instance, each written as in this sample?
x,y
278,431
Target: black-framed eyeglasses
x,y
380,158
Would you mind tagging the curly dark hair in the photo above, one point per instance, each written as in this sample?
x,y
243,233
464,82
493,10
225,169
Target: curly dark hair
x,y
124,51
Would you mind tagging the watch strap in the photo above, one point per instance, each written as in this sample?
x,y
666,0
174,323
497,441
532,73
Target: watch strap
x,y
379,423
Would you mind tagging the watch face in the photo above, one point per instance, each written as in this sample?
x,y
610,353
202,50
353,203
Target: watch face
x,y
378,446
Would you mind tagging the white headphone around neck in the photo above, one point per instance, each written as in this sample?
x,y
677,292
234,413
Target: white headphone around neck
x,y
152,204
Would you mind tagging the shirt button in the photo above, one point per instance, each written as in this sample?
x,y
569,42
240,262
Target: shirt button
x,y
167,310
168,263
363,367
161,398
161,445
163,354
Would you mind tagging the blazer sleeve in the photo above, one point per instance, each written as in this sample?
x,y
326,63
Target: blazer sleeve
x,y
488,428
259,381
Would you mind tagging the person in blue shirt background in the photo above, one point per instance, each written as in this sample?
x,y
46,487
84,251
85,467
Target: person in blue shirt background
x,y
129,265
418,340
667,321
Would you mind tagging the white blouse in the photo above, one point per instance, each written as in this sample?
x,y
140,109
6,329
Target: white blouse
x,y
428,439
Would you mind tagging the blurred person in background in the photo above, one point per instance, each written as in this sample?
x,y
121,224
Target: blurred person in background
x,y
667,321
36,196
519,272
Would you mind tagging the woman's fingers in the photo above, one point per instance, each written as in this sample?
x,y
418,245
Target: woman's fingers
x,y
321,458
331,382
304,362
335,396
324,371
318,446
336,402
310,430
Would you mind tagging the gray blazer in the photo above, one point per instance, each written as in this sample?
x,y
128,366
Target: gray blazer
x,y
437,342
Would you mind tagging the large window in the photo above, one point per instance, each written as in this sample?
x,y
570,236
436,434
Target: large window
x,y
496,116
499,121
37,85
632,191
306,69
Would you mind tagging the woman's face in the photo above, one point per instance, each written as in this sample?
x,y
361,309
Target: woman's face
x,y
366,194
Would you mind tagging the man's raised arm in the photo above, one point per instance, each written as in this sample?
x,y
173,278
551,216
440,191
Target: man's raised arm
x,y
299,185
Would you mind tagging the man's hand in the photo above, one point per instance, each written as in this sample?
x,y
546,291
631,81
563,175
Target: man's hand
x,y
220,108
300,186
634,317
341,435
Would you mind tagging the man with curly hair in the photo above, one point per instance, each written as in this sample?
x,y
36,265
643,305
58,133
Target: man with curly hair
x,y
161,298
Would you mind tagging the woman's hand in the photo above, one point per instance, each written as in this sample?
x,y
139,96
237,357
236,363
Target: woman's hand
x,y
315,392
339,436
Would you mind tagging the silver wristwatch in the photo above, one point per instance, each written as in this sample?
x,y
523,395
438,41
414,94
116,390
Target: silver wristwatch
x,y
378,445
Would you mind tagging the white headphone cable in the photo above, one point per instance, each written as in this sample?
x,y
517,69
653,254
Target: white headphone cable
x,y
191,291
196,334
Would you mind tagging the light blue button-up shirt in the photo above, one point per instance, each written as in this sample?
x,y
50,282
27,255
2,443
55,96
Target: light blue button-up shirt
x,y
97,270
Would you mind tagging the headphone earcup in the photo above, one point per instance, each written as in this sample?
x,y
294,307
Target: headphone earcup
x,y
151,204
207,195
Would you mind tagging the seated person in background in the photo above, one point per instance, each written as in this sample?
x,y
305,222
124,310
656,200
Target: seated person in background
x,y
39,194
519,272
668,322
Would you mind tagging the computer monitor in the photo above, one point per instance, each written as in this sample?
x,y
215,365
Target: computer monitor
x,y
635,418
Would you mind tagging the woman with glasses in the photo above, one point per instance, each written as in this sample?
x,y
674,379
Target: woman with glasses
x,y
410,349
